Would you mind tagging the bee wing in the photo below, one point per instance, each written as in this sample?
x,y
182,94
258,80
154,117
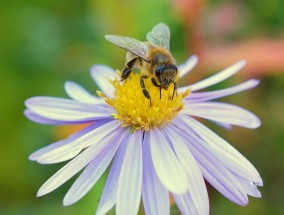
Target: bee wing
x,y
160,36
130,44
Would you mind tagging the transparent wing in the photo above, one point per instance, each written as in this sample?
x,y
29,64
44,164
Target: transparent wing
x,y
160,36
130,44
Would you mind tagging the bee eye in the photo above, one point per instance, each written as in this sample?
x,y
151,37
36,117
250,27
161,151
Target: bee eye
x,y
174,67
159,70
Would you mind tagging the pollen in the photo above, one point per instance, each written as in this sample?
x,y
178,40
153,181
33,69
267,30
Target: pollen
x,y
133,109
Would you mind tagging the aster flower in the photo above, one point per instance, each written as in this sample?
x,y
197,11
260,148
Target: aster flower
x,y
151,136
155,151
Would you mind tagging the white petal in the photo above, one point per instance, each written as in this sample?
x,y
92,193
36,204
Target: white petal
x,y
38,119
78,93
213,170
35,155
248,186
214,79
75,146
185,204
197,189
221,179
224,113
167,166
94,170
188,65
130,179
54,146
221,149
223,125
73,167
108,197
66,109
154,194
102,76
206,96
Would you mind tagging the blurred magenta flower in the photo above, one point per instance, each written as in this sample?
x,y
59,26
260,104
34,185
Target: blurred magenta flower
x,y
156,150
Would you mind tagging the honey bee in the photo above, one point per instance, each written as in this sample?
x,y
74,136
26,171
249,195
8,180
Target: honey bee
x,y
152,57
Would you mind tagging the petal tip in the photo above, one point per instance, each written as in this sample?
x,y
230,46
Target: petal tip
x,y
40,193
194,57
256,123
253,83
67,84
99,67
94,69
259,182
32,157
239,65
244,203
258,195
26,113
67,202
192,60
29,102
257,81
242,62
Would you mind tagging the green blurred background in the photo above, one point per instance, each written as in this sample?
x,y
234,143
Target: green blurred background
x,y
44,43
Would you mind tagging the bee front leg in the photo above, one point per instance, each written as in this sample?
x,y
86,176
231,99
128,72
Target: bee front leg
x,y
175,89
154,82
125,73
127,70
145,92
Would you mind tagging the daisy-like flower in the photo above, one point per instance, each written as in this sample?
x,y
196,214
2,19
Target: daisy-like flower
x,y
156,149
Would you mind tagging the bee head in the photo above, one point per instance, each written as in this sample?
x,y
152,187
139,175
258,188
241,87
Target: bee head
x,y
166,75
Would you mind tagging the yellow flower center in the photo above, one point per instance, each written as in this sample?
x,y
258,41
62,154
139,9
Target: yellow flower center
x,y
133,108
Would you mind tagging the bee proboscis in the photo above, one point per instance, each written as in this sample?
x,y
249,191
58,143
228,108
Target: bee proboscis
x,y
153,58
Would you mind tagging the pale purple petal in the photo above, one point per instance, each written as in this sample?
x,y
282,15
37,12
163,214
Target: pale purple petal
x,y
214,79
167,166
47,149
155,196
221,179
75,146
223,125
249,186
74,166
78,93
108,197
213,170
206,96
37,154
42,120
103,75
185,204
130,179
197,189
188,65
66,109
94,170
222,150
224,113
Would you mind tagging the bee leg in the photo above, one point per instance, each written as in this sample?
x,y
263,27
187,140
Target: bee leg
x,y
127,70
157,85
125,73
145,92
175,89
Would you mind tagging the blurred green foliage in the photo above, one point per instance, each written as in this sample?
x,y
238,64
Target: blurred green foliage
x,y
44,43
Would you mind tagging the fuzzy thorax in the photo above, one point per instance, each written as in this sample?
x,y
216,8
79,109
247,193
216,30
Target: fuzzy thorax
x,y
133,108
